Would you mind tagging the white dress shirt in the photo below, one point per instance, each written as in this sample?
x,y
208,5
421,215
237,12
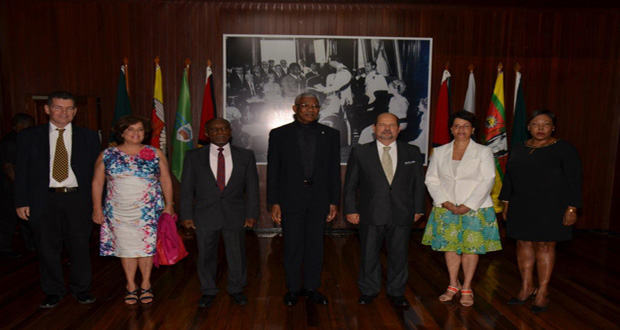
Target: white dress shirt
x,y
71,181
393,153
213,154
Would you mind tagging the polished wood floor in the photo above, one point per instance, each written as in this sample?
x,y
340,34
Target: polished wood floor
x,y
584,293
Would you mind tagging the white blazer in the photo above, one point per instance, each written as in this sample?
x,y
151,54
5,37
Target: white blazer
x,y
470,185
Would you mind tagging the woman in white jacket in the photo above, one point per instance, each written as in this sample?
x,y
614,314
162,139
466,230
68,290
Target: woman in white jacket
x,y
462,223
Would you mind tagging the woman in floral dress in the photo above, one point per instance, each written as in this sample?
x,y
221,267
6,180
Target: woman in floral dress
x,y
462,223
139,188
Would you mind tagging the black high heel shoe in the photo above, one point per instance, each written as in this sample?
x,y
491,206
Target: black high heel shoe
x,y
539,309
517,301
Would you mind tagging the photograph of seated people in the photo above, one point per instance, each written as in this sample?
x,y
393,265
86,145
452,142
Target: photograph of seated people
x,y
354,79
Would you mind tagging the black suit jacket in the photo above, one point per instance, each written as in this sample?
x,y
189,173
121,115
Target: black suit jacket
x,y
285,171
378,201
32,170
210,208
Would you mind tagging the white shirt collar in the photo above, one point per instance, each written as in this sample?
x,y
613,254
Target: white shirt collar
x,y
53,128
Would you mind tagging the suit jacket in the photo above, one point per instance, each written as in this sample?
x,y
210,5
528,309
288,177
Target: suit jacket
x,y
32,170
285,171
378,200
291,86
470,185
210,208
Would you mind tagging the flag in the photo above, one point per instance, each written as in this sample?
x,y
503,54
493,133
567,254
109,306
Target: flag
x,y
122,107
183,134
495,137
470,96
208,106
158,139
441,133
519,125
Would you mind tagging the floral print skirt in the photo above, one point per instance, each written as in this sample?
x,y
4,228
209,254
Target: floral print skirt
x,y
474,232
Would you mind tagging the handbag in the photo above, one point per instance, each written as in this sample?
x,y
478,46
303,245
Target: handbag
x,y
169,248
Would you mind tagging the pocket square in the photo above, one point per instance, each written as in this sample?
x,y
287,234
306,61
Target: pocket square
x,y
410,162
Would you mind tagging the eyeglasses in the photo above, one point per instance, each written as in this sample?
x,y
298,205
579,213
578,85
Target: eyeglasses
x,y
458,127
60,108
306,106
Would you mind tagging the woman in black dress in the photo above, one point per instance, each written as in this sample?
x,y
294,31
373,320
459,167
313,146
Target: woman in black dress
x,y
541,193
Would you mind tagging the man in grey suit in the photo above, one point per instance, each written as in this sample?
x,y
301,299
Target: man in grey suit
x,y
219,195
390,179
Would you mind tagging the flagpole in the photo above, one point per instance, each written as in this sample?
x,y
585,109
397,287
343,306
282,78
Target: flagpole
x,y
518,76
125,67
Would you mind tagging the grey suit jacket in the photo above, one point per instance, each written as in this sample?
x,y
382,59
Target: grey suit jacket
x,y
202,201
378,200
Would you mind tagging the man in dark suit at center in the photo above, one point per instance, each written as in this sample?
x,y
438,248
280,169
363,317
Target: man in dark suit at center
x,y
53,174
303,189
390,179
219,195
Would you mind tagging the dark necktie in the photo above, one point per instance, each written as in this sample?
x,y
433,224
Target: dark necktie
x,y
221,169
60,168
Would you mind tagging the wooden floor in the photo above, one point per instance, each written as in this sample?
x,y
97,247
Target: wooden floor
x,y
584,293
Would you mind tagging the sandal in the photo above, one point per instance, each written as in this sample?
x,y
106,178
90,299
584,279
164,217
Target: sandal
x,y
146,294
467,293
131,297
446,297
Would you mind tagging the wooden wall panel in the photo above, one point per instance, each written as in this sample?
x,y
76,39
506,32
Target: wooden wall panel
x,y
570,59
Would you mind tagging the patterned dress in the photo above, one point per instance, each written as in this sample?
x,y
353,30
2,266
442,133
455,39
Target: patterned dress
x,y
133,203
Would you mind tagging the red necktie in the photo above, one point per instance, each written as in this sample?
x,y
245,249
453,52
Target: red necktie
x,y
221,169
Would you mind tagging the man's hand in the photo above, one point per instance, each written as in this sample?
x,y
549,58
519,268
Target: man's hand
x,y
249,223
353,218
417,217
187,224
333,211
23,212
276,213
98,216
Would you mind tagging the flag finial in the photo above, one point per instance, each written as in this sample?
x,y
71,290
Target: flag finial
x,y
500,66
125,60
471,67
208,62
517,67
156,60
187,62
447,65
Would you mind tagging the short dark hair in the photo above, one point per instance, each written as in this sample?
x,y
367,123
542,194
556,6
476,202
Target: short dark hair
x,y
465,115
60,95
124,122
213,120
294,65
22,118
335,58
537,113
372,64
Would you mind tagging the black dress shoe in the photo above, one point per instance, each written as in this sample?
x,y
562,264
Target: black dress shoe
x,y
399,301
290,298
365,299
316,297
50,301
539,309
206,300
85,298
239,298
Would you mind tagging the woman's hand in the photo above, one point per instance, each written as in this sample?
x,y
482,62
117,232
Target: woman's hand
x,y
505,211
449,205
98,216
169,209
461,209
570,216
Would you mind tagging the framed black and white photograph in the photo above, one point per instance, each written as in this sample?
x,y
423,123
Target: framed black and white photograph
x,y
354,78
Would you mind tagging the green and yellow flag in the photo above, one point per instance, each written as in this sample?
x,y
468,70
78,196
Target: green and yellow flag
x,y
495,136
183,134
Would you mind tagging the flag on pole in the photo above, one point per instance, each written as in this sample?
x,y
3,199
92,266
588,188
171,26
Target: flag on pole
x,y
441,133
158,139
470,96
519,125
183,134
122,107
208,106
495,136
